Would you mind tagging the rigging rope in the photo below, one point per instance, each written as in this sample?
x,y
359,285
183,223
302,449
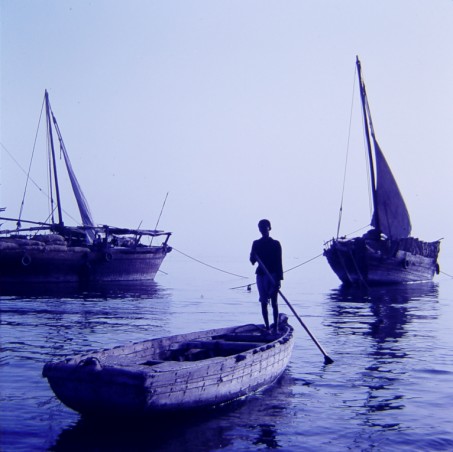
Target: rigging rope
x,y
357,230
21,167
161,210
29,167
347,155
43,192
51,206
208,265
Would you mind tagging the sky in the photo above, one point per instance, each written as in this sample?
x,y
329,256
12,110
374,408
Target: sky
x,y
239,110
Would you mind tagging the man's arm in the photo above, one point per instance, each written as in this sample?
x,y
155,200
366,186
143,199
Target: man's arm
x,y
280,261
253,254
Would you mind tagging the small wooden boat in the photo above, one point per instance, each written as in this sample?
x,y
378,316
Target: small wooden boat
x,y
184,371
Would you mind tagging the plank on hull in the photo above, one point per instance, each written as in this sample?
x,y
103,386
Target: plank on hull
x,y
172,373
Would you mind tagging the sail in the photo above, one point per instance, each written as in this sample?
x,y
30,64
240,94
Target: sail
x,y
82,203
390,209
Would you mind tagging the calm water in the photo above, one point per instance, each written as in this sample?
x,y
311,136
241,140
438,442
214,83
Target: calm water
x,y
389,389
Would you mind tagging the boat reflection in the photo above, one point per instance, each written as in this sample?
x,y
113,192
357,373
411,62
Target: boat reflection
x,y
378,312
87,290
375,322
267,437
203,430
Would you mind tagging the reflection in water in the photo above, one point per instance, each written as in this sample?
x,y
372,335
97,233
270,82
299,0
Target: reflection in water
x,y
267,436
202,430
170,433
86,290
38,327
43,323
381,314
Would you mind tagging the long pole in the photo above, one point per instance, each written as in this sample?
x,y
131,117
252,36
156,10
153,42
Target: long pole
x,y
327,359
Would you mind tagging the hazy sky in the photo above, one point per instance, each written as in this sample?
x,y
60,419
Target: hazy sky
x,y
239,109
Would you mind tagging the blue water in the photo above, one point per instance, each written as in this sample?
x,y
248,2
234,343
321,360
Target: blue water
x,y
389,389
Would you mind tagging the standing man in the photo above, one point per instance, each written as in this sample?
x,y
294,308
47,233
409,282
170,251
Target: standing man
x,y
269,251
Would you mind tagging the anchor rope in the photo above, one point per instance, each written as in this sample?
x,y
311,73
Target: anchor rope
x,y
208,265
235,274
446,274
286,271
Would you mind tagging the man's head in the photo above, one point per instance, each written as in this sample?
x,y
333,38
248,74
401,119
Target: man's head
x,y
264,226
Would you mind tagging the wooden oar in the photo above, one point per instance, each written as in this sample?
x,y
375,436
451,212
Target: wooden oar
x,y
327,359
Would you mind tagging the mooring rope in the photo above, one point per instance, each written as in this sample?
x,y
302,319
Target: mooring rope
x,y
235,274
286,271
208,265
446,274
303,263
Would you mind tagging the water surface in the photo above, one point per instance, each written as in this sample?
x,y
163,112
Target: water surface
x,y
390,387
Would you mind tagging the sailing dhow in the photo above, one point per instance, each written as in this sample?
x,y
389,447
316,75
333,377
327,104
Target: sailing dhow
x,y
385,254
51,251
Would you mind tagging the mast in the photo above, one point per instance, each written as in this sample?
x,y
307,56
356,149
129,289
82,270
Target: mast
x,y
366,118
57,188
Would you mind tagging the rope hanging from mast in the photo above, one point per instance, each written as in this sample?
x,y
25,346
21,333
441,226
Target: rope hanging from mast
x,y
37,186
29,169
161,210
347,155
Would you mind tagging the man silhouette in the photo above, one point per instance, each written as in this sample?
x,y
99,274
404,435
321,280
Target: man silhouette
x,y
269,252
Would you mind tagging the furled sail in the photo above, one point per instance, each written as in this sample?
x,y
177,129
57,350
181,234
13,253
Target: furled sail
x,y
390,212
82,203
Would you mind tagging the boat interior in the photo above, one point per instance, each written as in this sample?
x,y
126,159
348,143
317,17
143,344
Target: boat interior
x,y
222,345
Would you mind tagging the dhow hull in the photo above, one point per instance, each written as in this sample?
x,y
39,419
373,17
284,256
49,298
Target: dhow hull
x,y
45,264
366,262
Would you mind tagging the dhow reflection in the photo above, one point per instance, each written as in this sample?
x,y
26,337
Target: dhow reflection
x,y
377,319
86,290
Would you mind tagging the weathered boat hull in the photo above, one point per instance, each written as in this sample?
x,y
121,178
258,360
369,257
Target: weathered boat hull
x,y
52,251
147,377
41,263
378,262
